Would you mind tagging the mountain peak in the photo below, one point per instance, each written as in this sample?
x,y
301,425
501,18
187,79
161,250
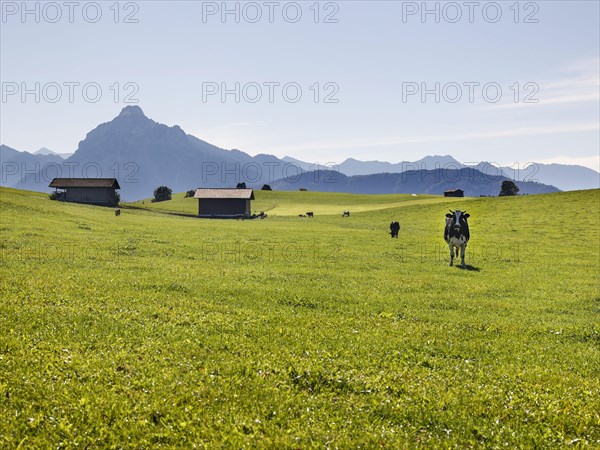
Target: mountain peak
x,y
47,152
132,110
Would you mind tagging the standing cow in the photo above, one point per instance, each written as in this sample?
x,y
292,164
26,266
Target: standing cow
x,y
394,229
456,234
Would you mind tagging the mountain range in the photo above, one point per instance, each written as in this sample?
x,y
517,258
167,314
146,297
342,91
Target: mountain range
x,y
563,176
436,181
16,165
143,154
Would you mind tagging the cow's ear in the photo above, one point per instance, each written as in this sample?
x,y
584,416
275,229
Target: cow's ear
x,y
466,216
449,216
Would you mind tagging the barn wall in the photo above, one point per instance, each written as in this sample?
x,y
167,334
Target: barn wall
x,y
101,196
223,207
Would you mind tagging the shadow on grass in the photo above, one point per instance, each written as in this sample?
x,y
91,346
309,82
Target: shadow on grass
x,y
159,211
470,268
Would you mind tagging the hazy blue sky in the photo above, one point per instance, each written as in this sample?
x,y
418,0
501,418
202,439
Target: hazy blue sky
x,y
369,56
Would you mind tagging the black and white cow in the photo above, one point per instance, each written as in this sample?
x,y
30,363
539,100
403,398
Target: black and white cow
x,y
394,229
456,234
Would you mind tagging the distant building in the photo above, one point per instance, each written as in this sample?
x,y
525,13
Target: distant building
x,y
454,193
224,203
95,191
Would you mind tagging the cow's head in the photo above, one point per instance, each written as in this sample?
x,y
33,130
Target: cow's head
x,y
457,219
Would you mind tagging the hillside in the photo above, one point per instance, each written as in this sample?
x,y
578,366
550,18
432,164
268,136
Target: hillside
x,y
170,331
282,203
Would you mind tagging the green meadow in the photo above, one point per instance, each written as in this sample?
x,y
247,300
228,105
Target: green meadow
x,y
282,203
154,329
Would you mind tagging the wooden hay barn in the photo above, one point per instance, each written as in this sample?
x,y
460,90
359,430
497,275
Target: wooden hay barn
x,y
224,203
454,193
95,191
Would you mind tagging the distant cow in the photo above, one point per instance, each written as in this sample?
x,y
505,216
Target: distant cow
x,y
117,212
456,234
310,214
346,213
394,229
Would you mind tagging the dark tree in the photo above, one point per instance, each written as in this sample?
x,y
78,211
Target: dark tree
x,y
117,198
266,187
162,193
241,185
190,193
508,188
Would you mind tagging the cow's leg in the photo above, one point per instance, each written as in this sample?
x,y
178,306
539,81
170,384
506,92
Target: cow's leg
x,y
451,254
462,255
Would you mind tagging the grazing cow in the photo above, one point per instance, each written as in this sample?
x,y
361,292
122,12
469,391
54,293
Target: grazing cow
x,y
346,213
456,234
117,212
394,229
310,214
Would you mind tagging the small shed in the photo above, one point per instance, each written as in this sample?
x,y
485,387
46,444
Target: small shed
x,y
454,193
95,191
224,203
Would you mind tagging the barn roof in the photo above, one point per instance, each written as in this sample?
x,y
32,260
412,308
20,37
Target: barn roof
x,y
244,194
454,190
62,183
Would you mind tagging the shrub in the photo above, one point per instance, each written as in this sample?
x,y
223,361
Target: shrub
x,y
162,193
508,188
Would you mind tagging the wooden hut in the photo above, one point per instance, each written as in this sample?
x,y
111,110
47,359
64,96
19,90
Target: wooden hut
x,y
454,193
224,203
95,191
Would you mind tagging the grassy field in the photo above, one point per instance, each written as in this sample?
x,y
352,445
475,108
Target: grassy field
x,y
280,203
155,330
